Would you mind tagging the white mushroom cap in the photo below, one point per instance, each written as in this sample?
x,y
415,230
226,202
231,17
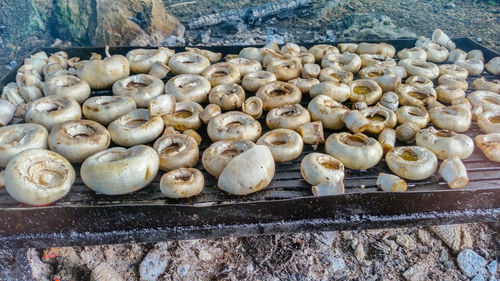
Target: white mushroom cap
x,y
473,66
227,96
356,151
186,116
188,87
248,172
312,133
233,125
142,60
335,74
7,110
119,170
376,49
390,100
311,70
253,107
387,139
482,84
287,116
388,182
78,139
285,144
420,68
11,93
304,84
348,47
411,162
328,188
38,177
493,65
222,73
246,66
454,118
407,131
159,70
67,85
415,95
17,138
176,151
412,53
220,153
365,90
445,144
140,87
489,145
161,105
106,109
211,56
454,172
483,101
52,110
489,121
451,80
182,183
254,80
439,37
436,52
252,53
317,168
417,115
278,93
135,127
328,111
380,117
101,74
475,54
188,63
334,89
320,50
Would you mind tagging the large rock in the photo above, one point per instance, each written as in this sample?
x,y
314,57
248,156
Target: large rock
x,y
370,27
18,20
114,22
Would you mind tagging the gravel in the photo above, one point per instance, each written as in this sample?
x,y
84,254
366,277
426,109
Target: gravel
x,y
470,263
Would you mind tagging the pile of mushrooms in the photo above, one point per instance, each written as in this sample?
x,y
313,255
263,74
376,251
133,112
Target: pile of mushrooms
x,y
260,108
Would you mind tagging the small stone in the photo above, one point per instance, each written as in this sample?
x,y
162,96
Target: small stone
x,y
424,237
205,256
173,40
153,265
479,39
492,278
337,264
470,263
406,241
104,272
360,252
416,272
478,277
325,237
492,267
183,270
450,5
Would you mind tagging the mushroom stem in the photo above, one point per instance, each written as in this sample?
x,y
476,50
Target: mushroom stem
x,y
253,107
454,172
389,182
355,121
159,70
7,110
2,178
106,51
328,188
387,139
312,133
161,105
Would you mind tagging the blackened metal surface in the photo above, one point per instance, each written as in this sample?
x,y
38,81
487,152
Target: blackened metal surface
x,y
287,205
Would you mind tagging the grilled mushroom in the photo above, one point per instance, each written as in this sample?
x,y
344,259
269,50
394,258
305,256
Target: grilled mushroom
x,y
211,56
365,90
188,63
67,85
387,139
329,112
419,81
376,49
278,93
412,53
448,93
254,80
287,116
473,66
119,170
367,60
445,144
233,125
348,47
222,73
420,68
101,74
176,151
252,53
216,157
303,84
384,76
320,50
246,66
356,151
454,172
17,138
188,87
415,96
489,121
456,55
311,70
285,144
436,52
454,118
489,145
159,70
161,105
253,107
135,127
414,114
380,117
439,37
411,162
106,109
7,110
141,88
454,70
317,168
210,111
335,74
29,83
347,61
142,60
52,110
248,172
182,183
186,116
483,101
493,65
407,131
334,89
312,133
390,100
37,61
11,93
76,140
475,54
454,81
393,183
480,84
38,177
227,96
355,121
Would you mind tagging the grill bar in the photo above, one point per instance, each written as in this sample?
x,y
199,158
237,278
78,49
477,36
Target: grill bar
x,y
287,205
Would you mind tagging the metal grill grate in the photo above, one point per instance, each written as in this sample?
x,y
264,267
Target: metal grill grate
x,y
83,217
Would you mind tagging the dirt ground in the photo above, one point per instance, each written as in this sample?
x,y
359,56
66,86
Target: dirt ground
x,y
391,254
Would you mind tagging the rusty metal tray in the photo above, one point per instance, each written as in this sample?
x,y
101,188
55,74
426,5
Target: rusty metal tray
x,y
287,205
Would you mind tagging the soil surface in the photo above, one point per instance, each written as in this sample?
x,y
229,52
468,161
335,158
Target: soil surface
x,y
391,254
